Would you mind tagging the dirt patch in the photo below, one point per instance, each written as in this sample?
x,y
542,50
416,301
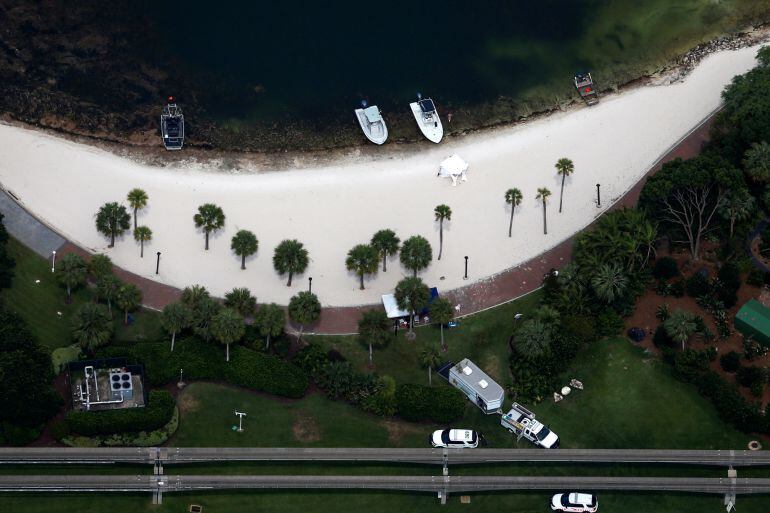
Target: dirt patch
x,y
187,403
646,306
305,429
397,430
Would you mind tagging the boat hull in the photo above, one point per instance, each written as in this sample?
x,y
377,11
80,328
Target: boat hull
x,y
432,129
376,132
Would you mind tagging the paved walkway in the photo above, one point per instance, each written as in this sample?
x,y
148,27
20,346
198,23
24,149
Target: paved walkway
x,y
501,288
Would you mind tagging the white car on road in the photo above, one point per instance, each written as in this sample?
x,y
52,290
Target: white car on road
x,y
454,438
575,502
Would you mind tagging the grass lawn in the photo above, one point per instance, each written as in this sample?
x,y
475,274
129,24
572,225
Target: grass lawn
x,y
482,337
43,305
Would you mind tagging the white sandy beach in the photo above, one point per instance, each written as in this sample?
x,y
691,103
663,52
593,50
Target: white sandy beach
x,y
333,208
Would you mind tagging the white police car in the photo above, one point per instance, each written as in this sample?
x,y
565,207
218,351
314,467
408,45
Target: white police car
x,y
454,438
575,502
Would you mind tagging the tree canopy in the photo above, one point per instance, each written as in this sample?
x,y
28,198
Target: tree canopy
x,y
290,257
416,254
244,244
386,243
112,220
209,218
362,259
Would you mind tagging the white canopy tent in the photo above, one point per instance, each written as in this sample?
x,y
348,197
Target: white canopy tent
x,y
391,307
453,167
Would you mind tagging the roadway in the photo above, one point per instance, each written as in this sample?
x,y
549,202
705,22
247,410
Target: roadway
x,y
182,455
432,484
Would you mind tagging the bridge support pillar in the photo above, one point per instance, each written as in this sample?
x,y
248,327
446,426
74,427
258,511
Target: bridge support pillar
x,y
730,497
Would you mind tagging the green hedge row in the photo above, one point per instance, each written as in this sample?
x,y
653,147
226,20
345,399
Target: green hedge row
x,y
438,404
155,415
205,360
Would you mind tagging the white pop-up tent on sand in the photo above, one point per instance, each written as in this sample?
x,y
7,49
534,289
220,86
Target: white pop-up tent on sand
x,y
453,167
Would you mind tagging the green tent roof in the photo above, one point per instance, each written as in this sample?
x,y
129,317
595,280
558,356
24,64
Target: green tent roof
x,y
754,319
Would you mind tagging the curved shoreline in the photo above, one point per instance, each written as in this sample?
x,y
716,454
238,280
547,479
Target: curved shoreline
x,y
253,160
333,209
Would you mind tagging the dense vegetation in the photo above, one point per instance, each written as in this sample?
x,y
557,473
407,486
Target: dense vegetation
x,y
27,397
156,414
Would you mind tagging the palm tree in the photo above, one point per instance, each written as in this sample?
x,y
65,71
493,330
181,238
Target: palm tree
x,y
92,327
112,220
128,298
386,243
174,318
209,218
756,162
192,296
513,197
736,205
680,325
542,195
100,266
141,235
270,320
244,244
609,282
227,327
374,330
304,308
564,167
362,259
204,312
241,300
441,312
290,257
107,288
442,212
416,253
412,295
431,359
72,272
533,338
137,199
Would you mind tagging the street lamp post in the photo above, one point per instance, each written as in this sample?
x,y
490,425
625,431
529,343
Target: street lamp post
x,y
466,269
53,261
310,284
598,196
240,420
157,264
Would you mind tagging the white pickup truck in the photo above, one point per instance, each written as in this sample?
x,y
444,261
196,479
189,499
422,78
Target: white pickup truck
x,y
521,422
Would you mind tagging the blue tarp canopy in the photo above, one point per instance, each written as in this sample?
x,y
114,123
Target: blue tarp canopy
x,y
391,306
427,105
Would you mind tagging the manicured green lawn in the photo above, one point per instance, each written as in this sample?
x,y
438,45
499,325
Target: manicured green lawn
x,y
630,400
42,304
374,502
482,337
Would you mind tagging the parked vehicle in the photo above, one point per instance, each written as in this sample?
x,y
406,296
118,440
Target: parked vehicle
x,y
475,384
455,439
575,502
522,423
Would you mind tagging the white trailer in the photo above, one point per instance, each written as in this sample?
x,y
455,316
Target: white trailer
x,y
522,423
475,384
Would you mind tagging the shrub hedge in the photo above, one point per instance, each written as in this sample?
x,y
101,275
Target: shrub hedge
x,y
437,404
155,415
205,360
730,362
665,268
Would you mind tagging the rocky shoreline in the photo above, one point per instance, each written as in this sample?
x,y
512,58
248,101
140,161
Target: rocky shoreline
x,y
82,79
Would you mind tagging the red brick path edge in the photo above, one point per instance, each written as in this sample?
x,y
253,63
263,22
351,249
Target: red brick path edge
x,y
496,290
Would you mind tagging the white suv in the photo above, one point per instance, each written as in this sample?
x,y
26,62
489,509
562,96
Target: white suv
x,y
574,502
454,438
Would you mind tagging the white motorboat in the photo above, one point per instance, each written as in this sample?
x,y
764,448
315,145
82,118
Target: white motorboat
x,y
425,113
372,123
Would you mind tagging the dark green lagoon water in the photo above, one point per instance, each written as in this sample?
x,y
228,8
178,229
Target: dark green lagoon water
x,y
289,58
